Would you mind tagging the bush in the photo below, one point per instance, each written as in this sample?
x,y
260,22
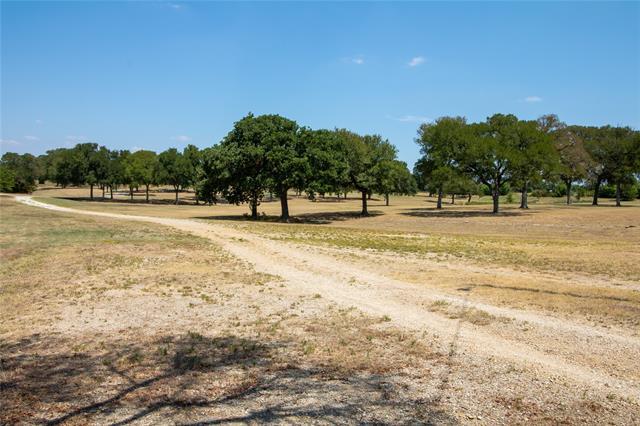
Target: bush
x,y
607,191
630,191
7,179
540,193
510,198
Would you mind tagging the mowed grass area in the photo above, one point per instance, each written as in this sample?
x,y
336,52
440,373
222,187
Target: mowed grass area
x,y
105,321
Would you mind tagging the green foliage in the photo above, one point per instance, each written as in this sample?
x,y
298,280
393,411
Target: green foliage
x,y
193,157
393,177
509,199
328,166
366,158
7,179
263,153
173,169
18,173
270,153
141,167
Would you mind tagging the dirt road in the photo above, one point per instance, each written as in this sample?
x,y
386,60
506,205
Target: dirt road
x,y
549,347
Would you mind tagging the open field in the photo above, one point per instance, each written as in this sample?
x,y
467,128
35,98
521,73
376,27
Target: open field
x,y
191,314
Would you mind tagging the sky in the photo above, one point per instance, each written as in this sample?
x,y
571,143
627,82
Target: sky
x,y
153,75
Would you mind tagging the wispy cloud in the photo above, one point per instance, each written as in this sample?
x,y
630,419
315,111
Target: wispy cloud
x,y
9,142
32,138
412,119
175,6
416,60
181,138
532,99
358,60
135,149
76,139
39,122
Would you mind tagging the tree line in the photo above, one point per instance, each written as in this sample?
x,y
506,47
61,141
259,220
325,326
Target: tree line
x,y
267,154
271,154
505,152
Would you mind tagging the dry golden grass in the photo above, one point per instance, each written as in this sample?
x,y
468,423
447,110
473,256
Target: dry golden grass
x,y
577,260
107,320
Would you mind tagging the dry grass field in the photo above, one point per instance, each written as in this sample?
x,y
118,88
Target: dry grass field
x,y
118,312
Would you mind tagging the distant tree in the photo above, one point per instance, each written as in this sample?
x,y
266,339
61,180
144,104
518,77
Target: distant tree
x,y
85,165
42,166
19,172
7,179
393,177
99,167
434,178
263,153
141,167
193,157
60,166
489,151
440,144
214,174
597,169
460,184
286,164
328,165
534,158
621,150
173,169
242,165
362,154
574,158
116,173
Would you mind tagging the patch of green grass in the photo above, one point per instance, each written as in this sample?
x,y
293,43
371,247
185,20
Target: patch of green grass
x,y
543,254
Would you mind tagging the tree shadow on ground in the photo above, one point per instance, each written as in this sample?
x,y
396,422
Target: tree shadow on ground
x,y
139,199
553,293
191,379
445,213
317,218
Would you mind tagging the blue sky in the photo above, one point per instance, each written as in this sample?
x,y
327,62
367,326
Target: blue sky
x,y
153,75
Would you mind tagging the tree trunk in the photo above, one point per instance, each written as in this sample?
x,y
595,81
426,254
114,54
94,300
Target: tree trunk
x,y
595,191
439,204
91,192
177,189
364,212
453,198
495,194
111,191
131,192
524,197
368,195
284,206
254,208
469,199
103,192
386,199
568,183
147,187
618,194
